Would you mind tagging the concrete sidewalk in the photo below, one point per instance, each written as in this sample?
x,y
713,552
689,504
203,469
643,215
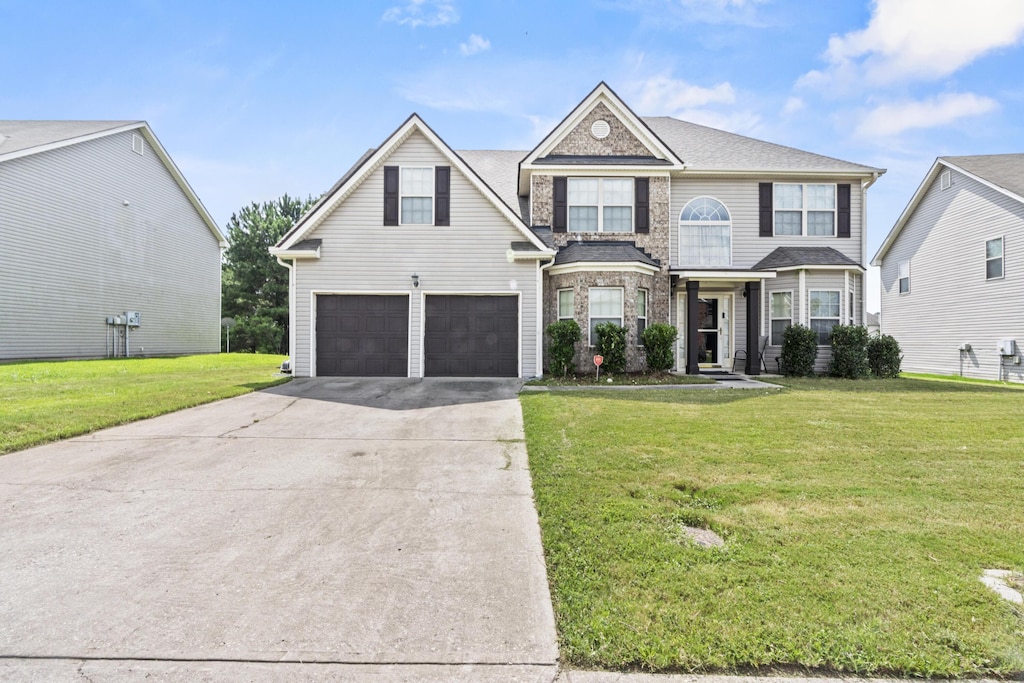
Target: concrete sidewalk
x,y
379,530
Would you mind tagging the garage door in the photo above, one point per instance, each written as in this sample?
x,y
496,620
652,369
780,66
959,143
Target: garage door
x,y
362,336
471,336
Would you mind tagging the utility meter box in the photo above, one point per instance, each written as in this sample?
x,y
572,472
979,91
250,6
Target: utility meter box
x,y
1006,347
965,347
132,318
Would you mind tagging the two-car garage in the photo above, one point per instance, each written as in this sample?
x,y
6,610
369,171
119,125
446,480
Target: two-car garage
x,y
368,335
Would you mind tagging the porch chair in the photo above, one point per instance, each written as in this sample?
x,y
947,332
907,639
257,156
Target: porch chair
x,y
741,354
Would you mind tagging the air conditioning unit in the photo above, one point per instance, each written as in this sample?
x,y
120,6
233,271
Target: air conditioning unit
x,y
132,318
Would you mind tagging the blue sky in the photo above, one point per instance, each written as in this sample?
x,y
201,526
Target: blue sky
x,y
255,99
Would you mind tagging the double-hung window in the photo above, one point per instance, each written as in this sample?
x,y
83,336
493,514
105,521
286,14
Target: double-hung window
x,y
605,307
903,275
566,305
994,259
417,195
600,204
641,315
781,315
805,209
825,309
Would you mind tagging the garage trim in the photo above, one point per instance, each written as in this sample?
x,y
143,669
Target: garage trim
x,y
313,293
443,292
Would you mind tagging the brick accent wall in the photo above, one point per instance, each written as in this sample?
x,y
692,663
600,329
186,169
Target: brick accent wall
x,y
619,142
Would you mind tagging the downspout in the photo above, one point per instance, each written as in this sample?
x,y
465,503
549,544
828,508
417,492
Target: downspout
x,y
291,310
540,313
864,245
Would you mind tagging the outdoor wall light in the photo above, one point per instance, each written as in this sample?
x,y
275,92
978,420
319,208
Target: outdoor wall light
x,y
415,280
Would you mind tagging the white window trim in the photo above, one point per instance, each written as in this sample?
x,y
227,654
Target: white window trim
x,y
622,305
558,304
804,210
601,205
945,180
402,195
839,319
900,278
644,317
772,318
682,224
1001,257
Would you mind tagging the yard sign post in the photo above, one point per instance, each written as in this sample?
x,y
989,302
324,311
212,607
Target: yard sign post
x,y
597,361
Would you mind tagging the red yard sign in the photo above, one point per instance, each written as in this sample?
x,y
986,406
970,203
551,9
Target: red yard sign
x,y
598,360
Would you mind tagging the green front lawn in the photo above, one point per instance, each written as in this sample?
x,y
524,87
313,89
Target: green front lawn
x,y
857,515
49,400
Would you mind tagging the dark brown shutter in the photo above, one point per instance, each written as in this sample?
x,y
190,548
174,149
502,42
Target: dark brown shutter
x,y
641,191
560,196
390,195
442,195
843,211
765,207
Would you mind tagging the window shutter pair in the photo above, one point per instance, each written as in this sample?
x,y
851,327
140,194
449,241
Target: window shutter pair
x,y
765,211
560,205
442,195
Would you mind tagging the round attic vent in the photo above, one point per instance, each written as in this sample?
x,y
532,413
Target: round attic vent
x,y
600,129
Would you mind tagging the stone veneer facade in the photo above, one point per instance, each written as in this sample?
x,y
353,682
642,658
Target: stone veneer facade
x,y
619,141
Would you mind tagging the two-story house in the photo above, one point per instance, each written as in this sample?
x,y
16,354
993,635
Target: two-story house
x,y
423,261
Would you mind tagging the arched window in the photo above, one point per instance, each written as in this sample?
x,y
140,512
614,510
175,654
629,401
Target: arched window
x,y
705,234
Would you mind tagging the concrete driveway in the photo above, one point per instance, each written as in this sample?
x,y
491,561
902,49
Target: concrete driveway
x,y
380,530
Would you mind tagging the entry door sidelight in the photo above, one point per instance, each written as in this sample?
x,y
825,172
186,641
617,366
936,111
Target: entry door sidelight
x,y
707,331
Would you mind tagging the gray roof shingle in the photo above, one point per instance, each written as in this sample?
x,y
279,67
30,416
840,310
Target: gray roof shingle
x,y
708,149
16,136
1004,170
606,160
789,257
603,252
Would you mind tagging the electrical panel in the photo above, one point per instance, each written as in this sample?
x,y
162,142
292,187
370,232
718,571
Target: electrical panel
x,y
132,318
1006,348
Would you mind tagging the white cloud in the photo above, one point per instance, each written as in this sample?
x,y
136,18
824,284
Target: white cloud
x,y
423,13
793,105
919,40
694,11
474,45
893,118
663,95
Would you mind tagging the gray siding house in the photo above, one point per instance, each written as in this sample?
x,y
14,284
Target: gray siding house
x,y
951,270
424,261
95,221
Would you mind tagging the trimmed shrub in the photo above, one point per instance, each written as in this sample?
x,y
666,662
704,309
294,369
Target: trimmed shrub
x,y
849,352
799,351
611,343
884,356
255,334
562,352
658,340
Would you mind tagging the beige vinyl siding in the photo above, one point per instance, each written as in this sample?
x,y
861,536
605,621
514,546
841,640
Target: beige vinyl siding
x,y
789,281
740,197
950,302
73,253
360,254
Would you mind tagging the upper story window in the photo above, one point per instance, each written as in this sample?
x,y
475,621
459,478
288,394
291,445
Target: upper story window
x,y
805,209
903,275
417,195
600,204
705,233
994,259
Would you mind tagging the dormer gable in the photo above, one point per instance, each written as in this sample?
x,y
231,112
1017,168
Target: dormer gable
x,y
601,132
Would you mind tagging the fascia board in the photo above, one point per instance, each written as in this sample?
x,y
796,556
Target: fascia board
x,y
723,274
71,141
929,178
295,253
603,266
784,269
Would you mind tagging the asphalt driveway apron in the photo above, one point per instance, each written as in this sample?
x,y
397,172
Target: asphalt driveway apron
x,y
378,529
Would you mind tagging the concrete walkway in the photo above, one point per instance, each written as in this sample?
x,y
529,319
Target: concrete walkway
x,y
380,530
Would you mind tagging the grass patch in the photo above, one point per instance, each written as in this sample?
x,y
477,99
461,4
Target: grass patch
x,y
857,514
620,379
49,400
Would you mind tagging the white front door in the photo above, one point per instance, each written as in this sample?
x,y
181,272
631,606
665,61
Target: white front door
x,y
714,317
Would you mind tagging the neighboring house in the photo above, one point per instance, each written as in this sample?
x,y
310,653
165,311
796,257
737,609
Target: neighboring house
x,y
872,321
952,270
95,221
423,261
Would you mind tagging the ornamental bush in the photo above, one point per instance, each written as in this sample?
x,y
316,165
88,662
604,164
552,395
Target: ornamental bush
x,y
849,352
799,351
658,340
562,352
611,343
884,356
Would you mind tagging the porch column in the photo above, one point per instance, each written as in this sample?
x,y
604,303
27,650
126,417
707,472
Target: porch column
x,y
752,290
692,347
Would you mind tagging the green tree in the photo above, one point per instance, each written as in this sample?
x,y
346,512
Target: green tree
x,y
254,285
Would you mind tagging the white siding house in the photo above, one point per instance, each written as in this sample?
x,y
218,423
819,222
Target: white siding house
x,y
952,270
95,220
